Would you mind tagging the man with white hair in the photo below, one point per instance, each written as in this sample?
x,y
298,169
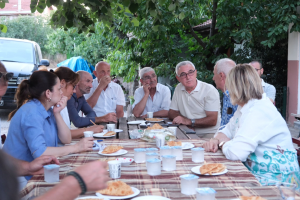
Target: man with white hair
x,y
152,96
106,97
269,89
195,103
221,70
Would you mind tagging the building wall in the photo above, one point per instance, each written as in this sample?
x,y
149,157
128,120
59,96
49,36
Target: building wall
x,y
15,7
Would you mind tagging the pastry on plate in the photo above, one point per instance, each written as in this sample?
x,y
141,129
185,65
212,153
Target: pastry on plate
x,y
111,149
110,133
117,188
153,119
155,127
251,198
174,143
212,168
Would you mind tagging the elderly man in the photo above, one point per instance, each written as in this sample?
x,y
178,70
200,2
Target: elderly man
x,y
152,96
195,103
268,88
78,103
221,70
106,97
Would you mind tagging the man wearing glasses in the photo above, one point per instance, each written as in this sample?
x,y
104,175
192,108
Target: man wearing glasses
x,y
195,103
221,69
106,97
152,96
268,88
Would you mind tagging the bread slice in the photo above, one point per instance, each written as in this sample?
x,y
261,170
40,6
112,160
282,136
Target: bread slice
x,y
173,143
110,133
117,188
212,168
111,149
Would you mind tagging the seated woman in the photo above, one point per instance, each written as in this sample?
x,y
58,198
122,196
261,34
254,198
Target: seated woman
x,y
35,127
68,81
257,134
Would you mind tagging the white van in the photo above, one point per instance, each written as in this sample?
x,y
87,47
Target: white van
x,y
21,57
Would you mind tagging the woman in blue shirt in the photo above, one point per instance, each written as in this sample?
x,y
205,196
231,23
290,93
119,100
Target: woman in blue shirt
x,y
35,127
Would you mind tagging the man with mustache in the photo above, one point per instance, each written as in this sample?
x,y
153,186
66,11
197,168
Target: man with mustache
x,y
152,96
195,103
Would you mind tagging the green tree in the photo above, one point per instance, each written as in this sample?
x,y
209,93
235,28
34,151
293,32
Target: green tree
x,y
33,28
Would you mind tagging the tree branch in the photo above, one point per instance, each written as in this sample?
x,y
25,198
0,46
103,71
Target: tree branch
x,y
195,35
214,18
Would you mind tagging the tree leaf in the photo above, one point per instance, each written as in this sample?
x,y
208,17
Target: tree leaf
x,y
155,28
133,7
153,13
2,5
126,3
181,16
3,28
172,7
151,5
162,2
135,21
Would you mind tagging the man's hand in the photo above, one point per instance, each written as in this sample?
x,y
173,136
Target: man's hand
x,y
212,145
94,175
105,80
181,120
111,117
146,88
37,165
85,144
96,128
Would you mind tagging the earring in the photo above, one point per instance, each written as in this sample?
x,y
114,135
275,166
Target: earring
x,y
49,99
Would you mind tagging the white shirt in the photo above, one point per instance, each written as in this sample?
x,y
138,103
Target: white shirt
x,y
161,99
269,89
205,97
108,99
260,138
65,115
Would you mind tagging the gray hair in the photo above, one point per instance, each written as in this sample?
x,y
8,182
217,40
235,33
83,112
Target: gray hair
x,y
145,70
224,65
182,64
81,72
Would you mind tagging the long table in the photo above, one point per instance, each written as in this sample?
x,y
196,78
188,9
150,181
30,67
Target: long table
x,y
236,182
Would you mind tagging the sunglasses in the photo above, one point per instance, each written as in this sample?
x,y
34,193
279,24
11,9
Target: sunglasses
x,y
7,76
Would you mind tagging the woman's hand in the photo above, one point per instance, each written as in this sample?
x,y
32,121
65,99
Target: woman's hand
x,y
60,105
96,128
85,144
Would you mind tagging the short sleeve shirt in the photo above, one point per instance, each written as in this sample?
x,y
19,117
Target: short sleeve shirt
x,y
269,89
205,97
108,99
32,129
161,99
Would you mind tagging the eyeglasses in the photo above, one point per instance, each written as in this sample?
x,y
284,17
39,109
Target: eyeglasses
x,y
7,76
184,75
146,78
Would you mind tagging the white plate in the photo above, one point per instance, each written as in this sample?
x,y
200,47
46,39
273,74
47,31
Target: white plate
x,y
101,135
161,120
118,153
151,198
187,145
91,197
135,190
196,170
125,161
136,122
116,130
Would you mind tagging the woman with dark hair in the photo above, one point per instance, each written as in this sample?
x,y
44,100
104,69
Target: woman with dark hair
x,y
35,127
68,82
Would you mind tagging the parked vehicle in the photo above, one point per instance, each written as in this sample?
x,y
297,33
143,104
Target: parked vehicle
x,y
22,57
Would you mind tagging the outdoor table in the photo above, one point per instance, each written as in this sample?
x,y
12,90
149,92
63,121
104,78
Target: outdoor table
x,y
237,181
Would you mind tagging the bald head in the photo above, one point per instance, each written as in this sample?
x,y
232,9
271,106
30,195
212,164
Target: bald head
x,y
224,65
102,69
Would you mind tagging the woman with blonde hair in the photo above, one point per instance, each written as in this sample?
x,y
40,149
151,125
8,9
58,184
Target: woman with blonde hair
x,y
257,134
68,82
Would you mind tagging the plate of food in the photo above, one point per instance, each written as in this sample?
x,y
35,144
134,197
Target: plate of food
x,y
151,198
154,119
184,145
105,134
136,122
155,126
118,190
91,198
113,150
213,169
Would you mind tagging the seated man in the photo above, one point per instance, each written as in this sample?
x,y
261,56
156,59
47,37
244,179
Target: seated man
x,y
222,68
194,102
269,89
106,97
78,103
152,96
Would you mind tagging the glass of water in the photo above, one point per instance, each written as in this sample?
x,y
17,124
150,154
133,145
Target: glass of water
x,y
140,155
189,183
154,167
286,190
198,155
169,162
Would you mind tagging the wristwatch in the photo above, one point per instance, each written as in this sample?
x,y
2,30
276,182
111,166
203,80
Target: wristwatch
x,y
193,122
221,144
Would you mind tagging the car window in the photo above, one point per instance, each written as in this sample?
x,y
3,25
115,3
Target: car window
x,y
16,51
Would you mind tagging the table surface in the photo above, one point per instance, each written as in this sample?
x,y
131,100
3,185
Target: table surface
x,y
236,182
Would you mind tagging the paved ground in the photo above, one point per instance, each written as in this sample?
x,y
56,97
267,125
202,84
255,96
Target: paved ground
x,y
5,124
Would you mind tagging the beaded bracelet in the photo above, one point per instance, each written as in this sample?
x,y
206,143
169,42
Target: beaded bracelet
x,y
80,181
